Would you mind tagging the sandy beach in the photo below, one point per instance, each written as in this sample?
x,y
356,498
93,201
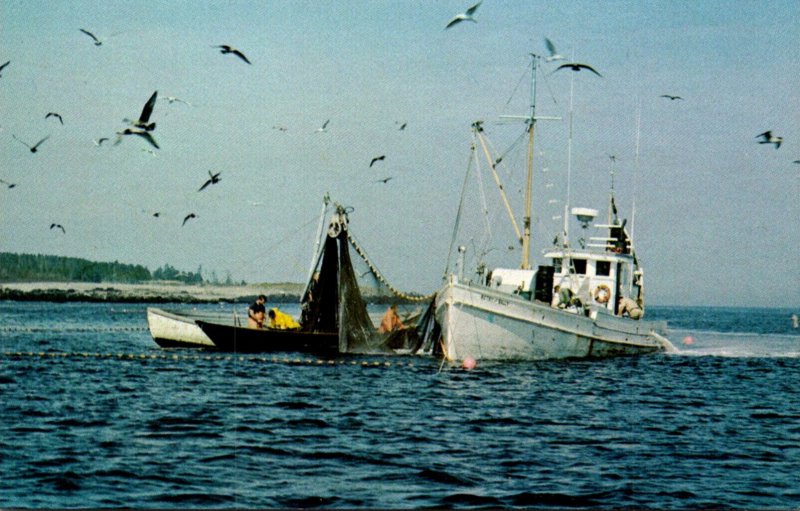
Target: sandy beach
x,y
156,292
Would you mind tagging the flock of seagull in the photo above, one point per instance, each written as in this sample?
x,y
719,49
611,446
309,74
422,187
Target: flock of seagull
x,y
144,128
141,127
469,15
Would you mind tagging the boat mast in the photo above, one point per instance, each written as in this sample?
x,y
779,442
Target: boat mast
x,y
526,220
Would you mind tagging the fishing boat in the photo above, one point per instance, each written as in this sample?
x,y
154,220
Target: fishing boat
x,y
241,339
571,306
178,328
334,317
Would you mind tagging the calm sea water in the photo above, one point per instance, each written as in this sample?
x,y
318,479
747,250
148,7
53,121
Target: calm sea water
x,y
94,414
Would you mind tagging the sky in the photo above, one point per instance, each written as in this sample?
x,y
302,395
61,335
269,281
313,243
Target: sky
x,y
715,215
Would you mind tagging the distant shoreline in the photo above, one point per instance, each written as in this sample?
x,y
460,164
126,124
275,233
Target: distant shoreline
x,y
155,292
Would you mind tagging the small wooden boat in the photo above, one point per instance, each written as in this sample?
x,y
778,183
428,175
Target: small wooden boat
x,y
177,329
266,340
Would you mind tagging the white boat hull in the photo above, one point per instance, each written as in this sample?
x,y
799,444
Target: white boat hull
x,y
179,330
484,324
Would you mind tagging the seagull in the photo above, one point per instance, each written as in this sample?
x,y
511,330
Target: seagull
x,y
224,48
152,153
187,218
402,126
280,128
58,226
214,179
796,161
384,180
33,148
377,158
97,42
156,214
464,16
100,141
577,67
671,98
9,185
552,49
324,127
145,115
3,67
57,116
768,138
144,134
173,99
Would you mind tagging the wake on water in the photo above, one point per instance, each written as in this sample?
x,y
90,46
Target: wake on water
x,y
735,344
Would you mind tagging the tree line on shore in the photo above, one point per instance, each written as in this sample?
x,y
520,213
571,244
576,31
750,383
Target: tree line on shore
x,y
48,268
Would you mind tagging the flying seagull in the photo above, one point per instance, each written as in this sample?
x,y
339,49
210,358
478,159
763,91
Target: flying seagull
x,y
377,158
33,148
57,116
768,138
214,179
577,67
464,16
97,42
144,118
173,99
551,48
384,180
402,126
58,226
671,98
100,141
324,127
9,185
144,134
224,48
796,161
3,67
187,218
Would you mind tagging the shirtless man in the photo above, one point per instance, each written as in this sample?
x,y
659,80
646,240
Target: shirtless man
x,y
391,321
256,313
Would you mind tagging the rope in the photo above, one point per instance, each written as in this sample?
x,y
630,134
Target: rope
x,y
76,329
240,358
378,275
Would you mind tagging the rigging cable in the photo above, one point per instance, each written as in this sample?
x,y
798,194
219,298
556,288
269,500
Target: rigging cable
x,y
460,207
378,275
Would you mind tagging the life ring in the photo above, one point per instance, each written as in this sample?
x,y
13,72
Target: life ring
x,y
602,293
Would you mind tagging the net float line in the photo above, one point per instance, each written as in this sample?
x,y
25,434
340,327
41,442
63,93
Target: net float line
x,y
307,361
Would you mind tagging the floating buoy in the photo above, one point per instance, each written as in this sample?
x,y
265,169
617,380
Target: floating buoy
x,y
688,340
469,363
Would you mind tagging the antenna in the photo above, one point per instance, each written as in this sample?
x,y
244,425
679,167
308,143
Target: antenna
x,y
569,155
636,166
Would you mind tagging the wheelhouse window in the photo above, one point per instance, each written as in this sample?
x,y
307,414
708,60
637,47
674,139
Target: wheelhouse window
x,y
602,268
556,265
580,266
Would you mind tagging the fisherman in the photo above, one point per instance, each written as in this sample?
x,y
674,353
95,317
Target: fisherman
x,y
282,321
629,306
563,297
391,321
256,313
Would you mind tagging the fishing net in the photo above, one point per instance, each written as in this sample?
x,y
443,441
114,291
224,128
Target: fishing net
x,y
340,291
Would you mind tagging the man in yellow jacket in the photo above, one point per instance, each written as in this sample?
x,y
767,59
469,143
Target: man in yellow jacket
x,y
281,320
